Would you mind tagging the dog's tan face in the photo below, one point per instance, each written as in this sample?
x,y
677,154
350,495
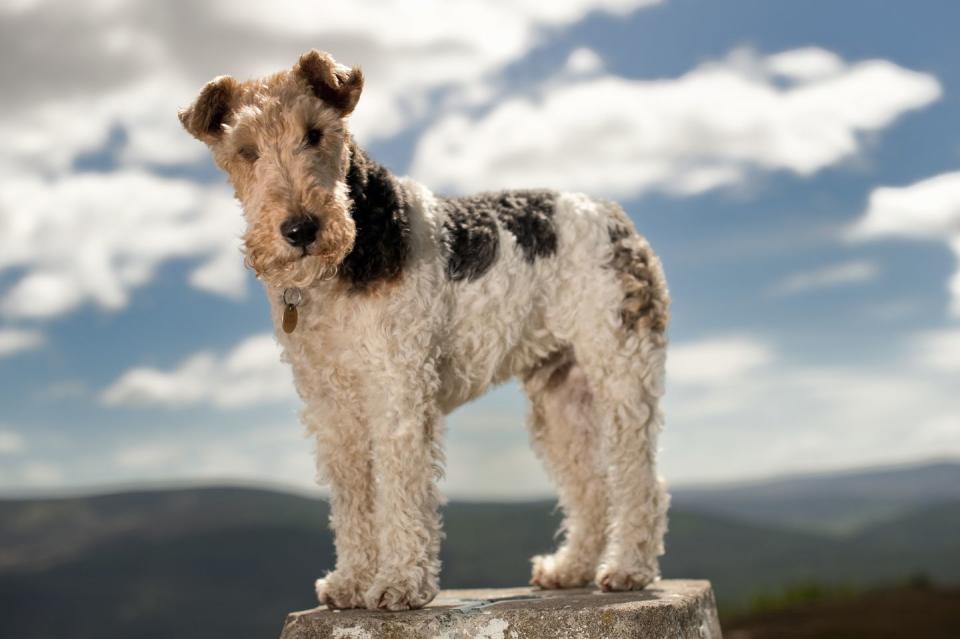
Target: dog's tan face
x,y
284,143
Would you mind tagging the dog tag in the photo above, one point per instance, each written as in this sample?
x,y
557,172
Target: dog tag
x,y
290,317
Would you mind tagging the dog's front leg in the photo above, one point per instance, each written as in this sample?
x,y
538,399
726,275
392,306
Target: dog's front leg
x,y
344,461
408,460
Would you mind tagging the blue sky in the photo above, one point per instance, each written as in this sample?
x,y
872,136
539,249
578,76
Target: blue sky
x,y
795,164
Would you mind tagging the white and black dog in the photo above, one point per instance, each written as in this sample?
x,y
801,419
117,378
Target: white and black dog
x,y
394,306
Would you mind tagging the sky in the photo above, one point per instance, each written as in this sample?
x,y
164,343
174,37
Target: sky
x,y
796,165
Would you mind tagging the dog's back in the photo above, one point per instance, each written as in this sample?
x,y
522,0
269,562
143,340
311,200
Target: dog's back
x,y
520,273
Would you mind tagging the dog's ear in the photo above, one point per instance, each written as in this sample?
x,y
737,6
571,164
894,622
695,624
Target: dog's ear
x,y
204,118
335,84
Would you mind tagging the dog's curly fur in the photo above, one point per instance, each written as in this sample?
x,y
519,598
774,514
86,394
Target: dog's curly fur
x,y
434,301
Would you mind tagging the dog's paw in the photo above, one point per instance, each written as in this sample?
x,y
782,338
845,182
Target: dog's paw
x,y
558,571
336,591
399,594
611,577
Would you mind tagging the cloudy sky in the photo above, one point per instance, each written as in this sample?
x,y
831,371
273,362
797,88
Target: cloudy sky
x,y
796,165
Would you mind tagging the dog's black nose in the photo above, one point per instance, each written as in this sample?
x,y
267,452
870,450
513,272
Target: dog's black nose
x,y
300,231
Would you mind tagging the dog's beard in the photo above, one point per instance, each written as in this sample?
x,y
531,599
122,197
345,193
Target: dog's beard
x,y
300,272
296,271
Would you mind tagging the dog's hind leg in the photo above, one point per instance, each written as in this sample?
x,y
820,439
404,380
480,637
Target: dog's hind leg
x,y
628,389
622,349
564,433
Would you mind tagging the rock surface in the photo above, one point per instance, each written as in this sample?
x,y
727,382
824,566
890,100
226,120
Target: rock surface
x,y
670,608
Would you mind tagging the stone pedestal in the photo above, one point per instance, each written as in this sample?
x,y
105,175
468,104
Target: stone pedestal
x,y
671,608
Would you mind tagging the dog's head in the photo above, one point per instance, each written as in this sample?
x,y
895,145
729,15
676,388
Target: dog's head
x,y
283,141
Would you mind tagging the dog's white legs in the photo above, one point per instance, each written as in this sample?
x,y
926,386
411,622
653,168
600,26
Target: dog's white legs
x,y
407,462
627,385
565,436
344,461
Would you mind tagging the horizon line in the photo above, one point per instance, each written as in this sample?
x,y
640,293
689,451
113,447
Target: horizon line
x,y
318,492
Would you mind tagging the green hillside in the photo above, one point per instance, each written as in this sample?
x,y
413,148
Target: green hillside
x,y
897,613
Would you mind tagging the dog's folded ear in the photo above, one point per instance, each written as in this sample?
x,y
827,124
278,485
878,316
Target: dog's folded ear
x,y
335,84
204,118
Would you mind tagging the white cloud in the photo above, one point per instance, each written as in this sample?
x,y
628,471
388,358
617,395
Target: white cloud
x,y
258,454
275,454
94,237
807,64
410,48
780,417
478,471
709,128
583,61
925,210
11,442
49,137
846,273
431,21
39,474
716,360
937,350
251,373
928,209
150,455
710,372
13,341
278,453
222,273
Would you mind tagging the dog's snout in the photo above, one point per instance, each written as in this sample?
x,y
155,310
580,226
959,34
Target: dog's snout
x,y
300,231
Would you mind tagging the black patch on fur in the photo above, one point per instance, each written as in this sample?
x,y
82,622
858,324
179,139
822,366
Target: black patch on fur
x,y
379,210
473,239
472,228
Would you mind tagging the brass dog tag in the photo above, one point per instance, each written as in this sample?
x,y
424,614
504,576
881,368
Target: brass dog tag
x,y
292,297
290,317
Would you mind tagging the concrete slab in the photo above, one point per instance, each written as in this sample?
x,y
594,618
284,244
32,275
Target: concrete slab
x,y
677,609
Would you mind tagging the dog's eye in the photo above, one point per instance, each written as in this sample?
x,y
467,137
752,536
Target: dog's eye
x,y
249,153
312,138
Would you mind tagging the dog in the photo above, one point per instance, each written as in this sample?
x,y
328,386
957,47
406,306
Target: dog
x,y
394,306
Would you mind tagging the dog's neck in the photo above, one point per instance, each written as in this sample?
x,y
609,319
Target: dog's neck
x,y
379,210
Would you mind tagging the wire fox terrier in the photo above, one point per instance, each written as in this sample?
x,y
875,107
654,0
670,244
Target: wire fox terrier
x,y
394,306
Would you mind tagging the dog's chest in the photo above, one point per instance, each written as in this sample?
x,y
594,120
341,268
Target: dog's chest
x,y
331,332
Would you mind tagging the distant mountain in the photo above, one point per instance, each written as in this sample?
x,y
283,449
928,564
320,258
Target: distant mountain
x,y
37,533
839,502
231,562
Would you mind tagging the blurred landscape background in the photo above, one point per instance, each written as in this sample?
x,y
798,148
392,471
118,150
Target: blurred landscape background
x,y
795,164
819,550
